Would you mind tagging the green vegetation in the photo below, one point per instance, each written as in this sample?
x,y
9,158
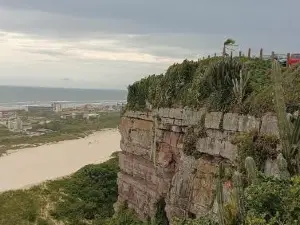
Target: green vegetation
x,y
79,126
85,197
263,200
289,132
259,147
191,136
221,83
4,132
217,84
62,130
269,202
25,115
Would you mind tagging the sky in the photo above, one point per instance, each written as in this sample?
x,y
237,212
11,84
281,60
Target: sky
x,y
112,43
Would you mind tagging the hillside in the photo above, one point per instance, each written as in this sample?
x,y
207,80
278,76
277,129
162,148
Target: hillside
x,y
85,197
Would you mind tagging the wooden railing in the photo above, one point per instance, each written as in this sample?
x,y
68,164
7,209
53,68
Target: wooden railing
x,y
249,54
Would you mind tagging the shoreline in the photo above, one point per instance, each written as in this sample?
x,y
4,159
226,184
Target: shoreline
x,y
36,145
28,167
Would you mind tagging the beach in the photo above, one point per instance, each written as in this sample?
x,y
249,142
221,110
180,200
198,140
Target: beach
x,y
30,166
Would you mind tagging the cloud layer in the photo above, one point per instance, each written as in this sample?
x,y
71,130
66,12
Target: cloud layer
x,y
110,43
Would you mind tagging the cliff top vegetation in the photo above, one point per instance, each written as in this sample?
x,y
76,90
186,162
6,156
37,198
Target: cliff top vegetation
x,y
236,84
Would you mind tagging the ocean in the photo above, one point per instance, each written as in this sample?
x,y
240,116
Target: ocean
x,y
19,97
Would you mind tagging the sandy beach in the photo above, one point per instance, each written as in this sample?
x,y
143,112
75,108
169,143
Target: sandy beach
x,y
34,165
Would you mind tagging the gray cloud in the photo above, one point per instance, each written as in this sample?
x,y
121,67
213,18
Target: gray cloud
x,y
170,29
191,16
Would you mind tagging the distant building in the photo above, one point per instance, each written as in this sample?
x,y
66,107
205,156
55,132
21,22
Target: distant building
x,y
18,124
10,125
66,116
15,125
27,126
8,114
57,107
90,115
76,115
37,108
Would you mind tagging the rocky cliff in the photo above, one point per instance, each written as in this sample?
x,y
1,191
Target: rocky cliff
x,y
162,159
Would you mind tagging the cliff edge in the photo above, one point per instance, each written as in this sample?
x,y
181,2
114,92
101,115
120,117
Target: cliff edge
x,y
156,162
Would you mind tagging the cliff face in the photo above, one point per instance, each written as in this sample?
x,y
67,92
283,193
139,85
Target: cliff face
x,y
155,165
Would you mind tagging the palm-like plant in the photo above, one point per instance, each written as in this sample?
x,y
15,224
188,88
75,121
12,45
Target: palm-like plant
x,y
226,44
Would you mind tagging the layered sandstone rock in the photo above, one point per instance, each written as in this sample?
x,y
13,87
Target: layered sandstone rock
x,y
154,166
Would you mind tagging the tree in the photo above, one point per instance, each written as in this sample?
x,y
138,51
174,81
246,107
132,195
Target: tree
x,y
228,43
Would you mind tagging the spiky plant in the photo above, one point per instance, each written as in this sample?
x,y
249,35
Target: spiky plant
x,y
251,170
240,86
289,133
239,193
283,123
221,73
295,144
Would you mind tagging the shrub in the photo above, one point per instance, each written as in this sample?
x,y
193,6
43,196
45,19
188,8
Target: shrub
x,y
207,82
90,193
259,147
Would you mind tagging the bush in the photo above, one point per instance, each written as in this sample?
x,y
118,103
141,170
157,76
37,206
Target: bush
x,y
259,147
266,199
208,83
90,193
195,84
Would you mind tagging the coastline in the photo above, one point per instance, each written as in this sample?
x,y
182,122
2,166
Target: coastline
x,y
35,165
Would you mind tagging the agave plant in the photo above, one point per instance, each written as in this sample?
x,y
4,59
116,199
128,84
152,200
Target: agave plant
x,y
220,74
240,86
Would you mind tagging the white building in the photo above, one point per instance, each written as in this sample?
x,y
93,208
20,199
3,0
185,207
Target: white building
x,y
18,124
57,107
15,125
90,115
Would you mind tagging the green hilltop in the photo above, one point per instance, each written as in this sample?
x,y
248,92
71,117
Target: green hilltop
x,y
211,83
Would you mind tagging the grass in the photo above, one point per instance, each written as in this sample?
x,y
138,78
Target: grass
x,y
63,130
82,198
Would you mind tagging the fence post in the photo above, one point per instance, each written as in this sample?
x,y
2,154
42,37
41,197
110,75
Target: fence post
x,y
208,56
224,50
261,53
273,55
215,54
240,53
249,53
231,54
288,56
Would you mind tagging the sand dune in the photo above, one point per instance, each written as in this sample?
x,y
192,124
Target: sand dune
x,y
34,165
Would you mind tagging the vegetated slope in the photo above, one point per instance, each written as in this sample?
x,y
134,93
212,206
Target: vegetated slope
x,y
210,83
85,197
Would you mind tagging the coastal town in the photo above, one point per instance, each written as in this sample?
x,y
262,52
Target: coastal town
x,y
24,120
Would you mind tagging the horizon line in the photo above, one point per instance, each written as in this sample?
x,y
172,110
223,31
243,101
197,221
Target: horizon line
x,y
75,88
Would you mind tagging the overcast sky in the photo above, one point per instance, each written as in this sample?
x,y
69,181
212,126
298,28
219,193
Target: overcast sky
x,y
112,43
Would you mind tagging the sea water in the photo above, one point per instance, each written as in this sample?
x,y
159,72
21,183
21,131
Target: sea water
x,y
20,97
